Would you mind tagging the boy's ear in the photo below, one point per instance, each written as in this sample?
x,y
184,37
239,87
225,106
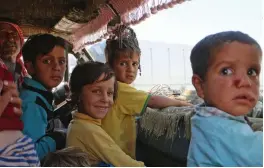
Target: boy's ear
x,y
198,84
30,68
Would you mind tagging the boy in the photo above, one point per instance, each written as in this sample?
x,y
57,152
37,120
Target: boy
x,y
45,60
226,68
123,55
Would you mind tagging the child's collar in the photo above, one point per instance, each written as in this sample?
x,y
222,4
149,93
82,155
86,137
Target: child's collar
x,y
34,83
34,86
207,111
86,117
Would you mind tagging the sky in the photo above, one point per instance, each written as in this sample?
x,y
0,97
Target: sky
x,y
189,22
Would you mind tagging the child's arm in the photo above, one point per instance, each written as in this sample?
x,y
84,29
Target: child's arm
x,y
162,102
135,101
34,118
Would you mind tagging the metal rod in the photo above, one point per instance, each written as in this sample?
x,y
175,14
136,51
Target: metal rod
x,y
152,80
109,5
169,67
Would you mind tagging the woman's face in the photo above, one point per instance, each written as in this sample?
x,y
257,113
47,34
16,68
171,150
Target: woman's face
x,y
97,98
10,43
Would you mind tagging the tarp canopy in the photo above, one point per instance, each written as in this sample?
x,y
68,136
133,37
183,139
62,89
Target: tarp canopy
x,y
81,22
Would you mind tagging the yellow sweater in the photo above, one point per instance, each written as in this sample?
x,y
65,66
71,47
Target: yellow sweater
x,y
86,133
120,122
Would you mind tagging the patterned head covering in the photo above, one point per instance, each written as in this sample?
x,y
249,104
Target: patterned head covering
x,y
19,61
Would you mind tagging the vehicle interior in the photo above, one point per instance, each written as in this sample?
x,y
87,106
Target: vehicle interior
x,y
161,141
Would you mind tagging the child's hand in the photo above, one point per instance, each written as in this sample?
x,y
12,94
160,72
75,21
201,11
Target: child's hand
x,y
10,95
184,103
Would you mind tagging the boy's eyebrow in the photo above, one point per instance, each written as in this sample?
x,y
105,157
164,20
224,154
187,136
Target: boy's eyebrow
x,y
94,85
223,62
257,65
54,56
127,59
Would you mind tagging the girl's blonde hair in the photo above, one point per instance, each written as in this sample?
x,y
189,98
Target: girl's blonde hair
x,y
68,157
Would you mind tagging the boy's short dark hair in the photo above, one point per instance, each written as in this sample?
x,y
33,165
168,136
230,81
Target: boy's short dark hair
x,y
68,157
210,45
88,73
41,44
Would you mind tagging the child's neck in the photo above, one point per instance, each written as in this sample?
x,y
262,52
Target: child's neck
x,y
34,78
130,84
206,104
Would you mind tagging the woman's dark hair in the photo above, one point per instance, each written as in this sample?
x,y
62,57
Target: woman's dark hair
x,y
123,39
210,45
41,44
88,73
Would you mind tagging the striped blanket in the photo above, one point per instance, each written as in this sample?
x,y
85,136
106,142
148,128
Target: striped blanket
x,y
22,153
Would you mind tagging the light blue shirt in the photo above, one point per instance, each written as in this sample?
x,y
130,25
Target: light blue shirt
x,y
219,139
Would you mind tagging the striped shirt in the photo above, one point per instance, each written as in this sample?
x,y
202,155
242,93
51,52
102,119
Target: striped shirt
x,y
22,153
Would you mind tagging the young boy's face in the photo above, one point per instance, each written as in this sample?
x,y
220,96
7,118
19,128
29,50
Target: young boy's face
x,y
49,69
232,80
97,98
126,67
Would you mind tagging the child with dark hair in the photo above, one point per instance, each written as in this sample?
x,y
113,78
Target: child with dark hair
x,y
123,55
68,157
45,59
226,68
93,88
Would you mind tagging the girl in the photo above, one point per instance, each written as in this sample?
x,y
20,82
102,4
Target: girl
x,y
123,55
93,89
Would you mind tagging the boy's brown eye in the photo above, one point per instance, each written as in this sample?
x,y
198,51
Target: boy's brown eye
x,y
96,91
110,93
226,71
61,62
252,72
135,64
123,63
46,61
